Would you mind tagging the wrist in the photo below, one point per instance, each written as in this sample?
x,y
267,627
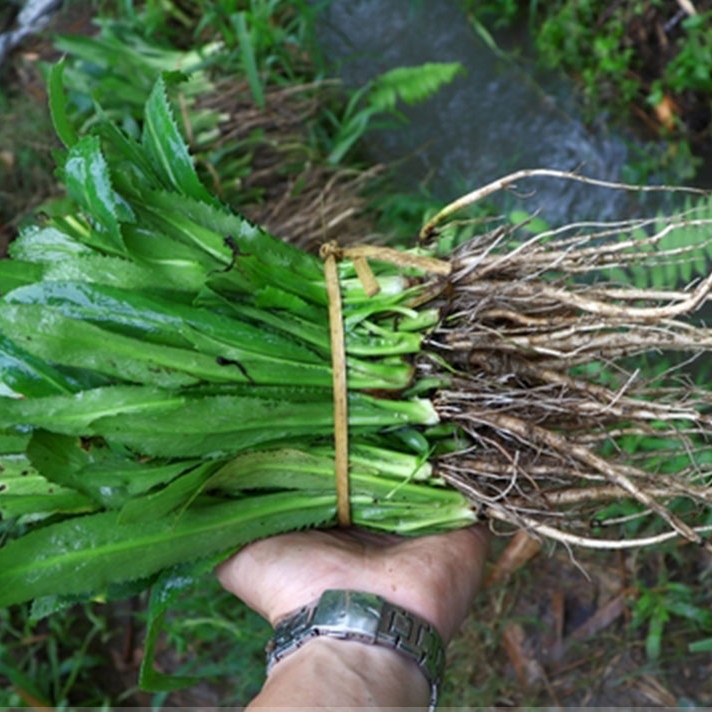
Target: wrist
x,y
326,672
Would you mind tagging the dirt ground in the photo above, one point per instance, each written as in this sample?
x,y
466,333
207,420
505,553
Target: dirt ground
x,y
558,633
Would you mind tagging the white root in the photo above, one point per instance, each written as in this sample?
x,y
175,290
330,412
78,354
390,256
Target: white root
x,y
509,181
526,331
563,537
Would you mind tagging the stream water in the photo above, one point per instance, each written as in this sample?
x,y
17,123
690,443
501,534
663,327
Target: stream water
x,y
498,118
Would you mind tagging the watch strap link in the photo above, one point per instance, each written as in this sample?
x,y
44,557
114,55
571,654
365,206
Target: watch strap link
x,y
367,618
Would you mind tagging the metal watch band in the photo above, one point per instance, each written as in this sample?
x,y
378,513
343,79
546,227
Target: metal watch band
x,y
367,618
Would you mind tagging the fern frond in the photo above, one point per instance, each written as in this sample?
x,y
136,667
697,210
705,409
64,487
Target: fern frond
x,y
412,84
673,255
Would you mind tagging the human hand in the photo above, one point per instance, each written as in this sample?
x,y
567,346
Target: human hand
x,y
434,576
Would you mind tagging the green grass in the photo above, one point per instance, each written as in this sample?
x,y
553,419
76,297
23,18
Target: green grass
x,y
215,636
59,662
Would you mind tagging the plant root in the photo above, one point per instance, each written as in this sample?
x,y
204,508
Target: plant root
x,y
307,203
548,338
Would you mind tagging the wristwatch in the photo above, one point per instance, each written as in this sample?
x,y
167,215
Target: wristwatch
x,y
367,618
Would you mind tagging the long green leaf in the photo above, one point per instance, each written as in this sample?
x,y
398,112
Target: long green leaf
x,y
29,376
108,270
58,105
15,273
175,496
220,426
250,239
73,415
249,62
156,342
174,264
47,334
24,492
295,469
161,320
170,424
87,554
108,478
166,149
88,181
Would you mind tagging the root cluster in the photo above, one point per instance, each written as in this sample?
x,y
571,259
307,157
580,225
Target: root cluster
x,y
578,391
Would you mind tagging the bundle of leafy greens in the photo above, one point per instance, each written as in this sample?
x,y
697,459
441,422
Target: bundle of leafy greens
x,y
166,378
167,381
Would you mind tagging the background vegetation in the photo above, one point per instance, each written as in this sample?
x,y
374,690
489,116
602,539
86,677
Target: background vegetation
x,y
646,64
88,655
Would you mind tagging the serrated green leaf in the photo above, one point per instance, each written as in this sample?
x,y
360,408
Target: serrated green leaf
x,y
104,476
88,181
73,415
139,168
70,463
45,244
25,492
262,470
175,496
86,554
167,150
176,265
168,424
107,270
250,239
310,331
221,426
47,334
163,320
291,468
